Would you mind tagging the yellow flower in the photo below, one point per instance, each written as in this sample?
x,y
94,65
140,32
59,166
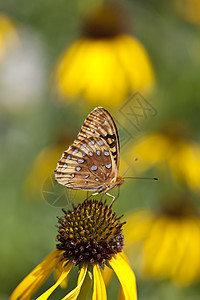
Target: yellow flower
x,y
106,64
44,163
8,35
91,237
42,167
169,149
167,243
189,10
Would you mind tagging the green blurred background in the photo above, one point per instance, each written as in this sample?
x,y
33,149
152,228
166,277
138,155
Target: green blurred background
x,y
32,118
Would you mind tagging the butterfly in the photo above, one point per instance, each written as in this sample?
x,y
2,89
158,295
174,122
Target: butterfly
x,y
91,163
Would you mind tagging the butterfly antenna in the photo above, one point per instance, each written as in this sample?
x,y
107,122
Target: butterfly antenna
x,y
136,159
152,178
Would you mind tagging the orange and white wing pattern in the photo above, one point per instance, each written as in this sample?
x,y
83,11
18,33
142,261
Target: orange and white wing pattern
x,y
92,162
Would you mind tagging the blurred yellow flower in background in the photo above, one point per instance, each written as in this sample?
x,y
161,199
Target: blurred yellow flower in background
x,y
167,243
43,167
189,10
170,148
8,34
106,64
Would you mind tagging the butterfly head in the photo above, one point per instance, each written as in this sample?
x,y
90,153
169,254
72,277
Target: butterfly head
x,y
119,180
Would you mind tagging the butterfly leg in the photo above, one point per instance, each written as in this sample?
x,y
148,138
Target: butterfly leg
x,y
91,195
113,197
118,192
88,196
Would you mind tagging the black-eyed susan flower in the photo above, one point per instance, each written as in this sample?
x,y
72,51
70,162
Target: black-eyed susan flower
x,y
174,151
89,237
166,243
8,35
106,63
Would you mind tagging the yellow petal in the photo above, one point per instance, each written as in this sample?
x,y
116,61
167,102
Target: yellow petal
x,y
107,274
189,269
31,290
188,160
125,276
164,234
75,292
137,226
172,249
63,275
35,279
136,63
58,272
121,294
99,289
148,158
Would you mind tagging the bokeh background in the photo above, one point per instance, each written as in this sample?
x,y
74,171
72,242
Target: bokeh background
x,y
141,61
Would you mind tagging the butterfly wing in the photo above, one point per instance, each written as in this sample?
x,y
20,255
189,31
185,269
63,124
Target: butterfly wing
x,y
91,163
100,123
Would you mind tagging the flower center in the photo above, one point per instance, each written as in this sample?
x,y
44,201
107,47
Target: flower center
x,y
107,21
90,233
